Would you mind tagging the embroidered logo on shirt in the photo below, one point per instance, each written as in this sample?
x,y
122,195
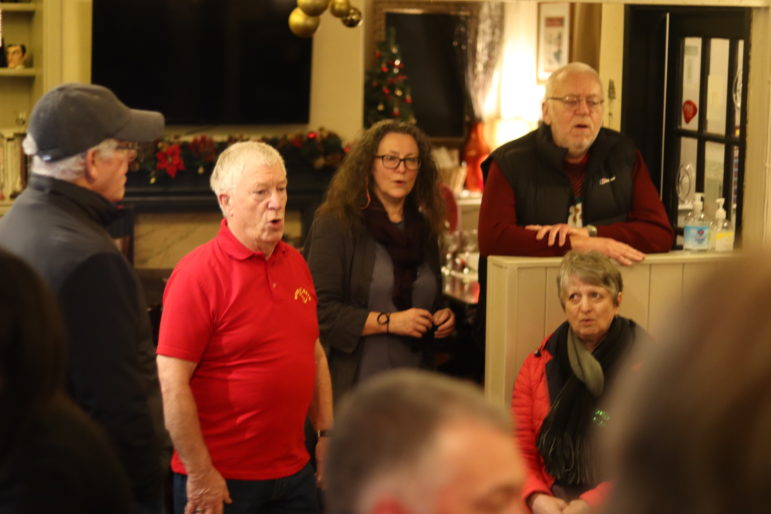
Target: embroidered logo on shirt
x,y
302,294
606,180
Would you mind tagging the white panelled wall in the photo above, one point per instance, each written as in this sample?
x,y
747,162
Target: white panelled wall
x,y
523,305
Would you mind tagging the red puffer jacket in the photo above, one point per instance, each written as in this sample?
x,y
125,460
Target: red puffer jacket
x,y
529,406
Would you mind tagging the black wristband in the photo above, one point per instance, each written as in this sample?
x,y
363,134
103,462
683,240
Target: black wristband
x,y
384,318
325,432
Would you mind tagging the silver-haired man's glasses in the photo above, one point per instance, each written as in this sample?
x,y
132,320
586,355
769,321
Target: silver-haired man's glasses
x,y
392,162
573,101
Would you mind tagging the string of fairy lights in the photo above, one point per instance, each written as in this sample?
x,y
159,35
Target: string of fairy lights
x,y
305,18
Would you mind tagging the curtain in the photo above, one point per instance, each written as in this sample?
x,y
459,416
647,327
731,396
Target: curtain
x,y
482,55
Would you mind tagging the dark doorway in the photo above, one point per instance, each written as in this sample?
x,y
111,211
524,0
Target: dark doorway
x,y
685,102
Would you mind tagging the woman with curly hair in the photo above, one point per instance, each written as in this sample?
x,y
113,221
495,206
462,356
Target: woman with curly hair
x,y
373,250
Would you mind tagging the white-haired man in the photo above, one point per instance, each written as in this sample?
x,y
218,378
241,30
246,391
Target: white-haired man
x,y
81,139
239,358
571,184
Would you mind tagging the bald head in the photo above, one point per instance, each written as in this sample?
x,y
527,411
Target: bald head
x,y
573,109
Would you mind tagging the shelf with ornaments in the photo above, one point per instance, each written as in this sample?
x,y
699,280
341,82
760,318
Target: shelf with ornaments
x,y
18,72
21,25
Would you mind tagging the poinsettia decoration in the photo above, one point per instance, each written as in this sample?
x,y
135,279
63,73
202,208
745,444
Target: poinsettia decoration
x,y
169,158
323,150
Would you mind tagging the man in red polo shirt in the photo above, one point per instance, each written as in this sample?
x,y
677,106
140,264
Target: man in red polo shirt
x,y
239,357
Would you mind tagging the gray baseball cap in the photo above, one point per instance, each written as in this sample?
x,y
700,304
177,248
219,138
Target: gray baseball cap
x,y
72,118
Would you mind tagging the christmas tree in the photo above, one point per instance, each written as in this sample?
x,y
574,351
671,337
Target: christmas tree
x,y
387,93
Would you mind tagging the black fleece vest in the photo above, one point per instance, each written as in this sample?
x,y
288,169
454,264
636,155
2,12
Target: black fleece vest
x,y
533,166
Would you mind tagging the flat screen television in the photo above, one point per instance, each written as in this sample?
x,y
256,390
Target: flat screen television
x,y
204,61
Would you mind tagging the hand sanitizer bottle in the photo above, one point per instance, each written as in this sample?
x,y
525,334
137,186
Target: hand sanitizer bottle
x,y
696,227
722,232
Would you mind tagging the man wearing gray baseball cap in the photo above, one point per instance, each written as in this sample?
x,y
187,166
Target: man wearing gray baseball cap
x,y
82,139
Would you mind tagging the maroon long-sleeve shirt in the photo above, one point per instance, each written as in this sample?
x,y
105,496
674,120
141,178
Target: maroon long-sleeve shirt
x,y
647,227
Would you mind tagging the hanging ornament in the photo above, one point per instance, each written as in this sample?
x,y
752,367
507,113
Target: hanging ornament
x,y
396,112
380,107
313,7
301,24
398,92
353,18
339,8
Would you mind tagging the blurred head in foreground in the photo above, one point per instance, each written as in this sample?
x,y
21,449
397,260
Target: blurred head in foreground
x,y
413,442
693,428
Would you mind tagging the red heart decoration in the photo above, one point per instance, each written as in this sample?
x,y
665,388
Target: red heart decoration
x,y
689,110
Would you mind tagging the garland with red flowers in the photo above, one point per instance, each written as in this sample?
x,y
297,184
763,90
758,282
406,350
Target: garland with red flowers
x,y
322,150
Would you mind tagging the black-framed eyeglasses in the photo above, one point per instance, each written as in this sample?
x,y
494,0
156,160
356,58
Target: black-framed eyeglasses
x,y
392,162
573,101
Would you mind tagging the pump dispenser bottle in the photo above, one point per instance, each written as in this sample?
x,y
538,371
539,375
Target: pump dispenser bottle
x,y
696,226
721,232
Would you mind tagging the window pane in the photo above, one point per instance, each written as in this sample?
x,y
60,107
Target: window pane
x,y
686,180
714,160
717,85
691,67
731,203
737,87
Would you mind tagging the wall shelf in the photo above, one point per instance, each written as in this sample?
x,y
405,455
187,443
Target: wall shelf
x,y
16,73
18,7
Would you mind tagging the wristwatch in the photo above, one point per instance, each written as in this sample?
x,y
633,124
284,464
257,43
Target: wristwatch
x,y
592,230
384,318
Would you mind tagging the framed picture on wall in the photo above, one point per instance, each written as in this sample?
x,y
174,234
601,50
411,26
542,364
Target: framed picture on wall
x,y
553,38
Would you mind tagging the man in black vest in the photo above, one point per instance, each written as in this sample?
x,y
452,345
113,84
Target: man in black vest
x,y
571,184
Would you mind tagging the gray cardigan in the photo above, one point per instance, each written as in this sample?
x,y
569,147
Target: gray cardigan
x,y
341,259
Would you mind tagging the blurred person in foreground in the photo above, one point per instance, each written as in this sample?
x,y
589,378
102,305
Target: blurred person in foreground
x,y
373,250
53,458
413,442
560,392
82,138
692,427
239,359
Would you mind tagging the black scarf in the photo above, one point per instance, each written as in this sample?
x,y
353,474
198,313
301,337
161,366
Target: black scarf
x,y
404,246
565,441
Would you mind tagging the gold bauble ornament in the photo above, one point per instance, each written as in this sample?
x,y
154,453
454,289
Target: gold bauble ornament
x,y
353,18
313,7
301,24
339,8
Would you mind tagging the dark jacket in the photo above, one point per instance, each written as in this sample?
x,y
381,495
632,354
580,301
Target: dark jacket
x,y
59,229
341,259
62,463
533,165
